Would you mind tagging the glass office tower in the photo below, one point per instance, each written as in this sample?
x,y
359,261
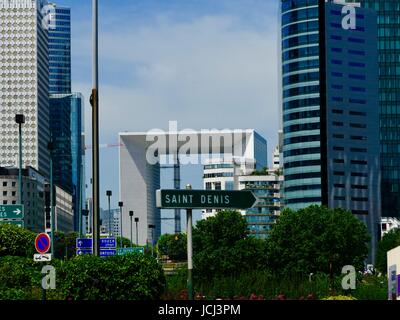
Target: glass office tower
x,y
389,99
59,49
67,129
331,110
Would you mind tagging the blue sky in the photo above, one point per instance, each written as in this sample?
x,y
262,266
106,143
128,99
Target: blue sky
x,y
204,63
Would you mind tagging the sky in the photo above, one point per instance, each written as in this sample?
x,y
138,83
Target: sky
x,y
207,64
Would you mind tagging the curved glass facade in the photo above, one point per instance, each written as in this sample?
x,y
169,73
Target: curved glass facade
x,y
301,102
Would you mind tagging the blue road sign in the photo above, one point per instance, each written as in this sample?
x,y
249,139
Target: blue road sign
x,y
122,251
105,243
84,243
103,253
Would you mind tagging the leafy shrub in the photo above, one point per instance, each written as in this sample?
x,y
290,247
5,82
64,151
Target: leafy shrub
x,y
128,277
174,246
16,241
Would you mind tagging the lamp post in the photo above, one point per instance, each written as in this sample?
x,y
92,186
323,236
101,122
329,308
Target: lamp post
x,y
152,227
137,234
20,119
52,215
109,194
131,215
120,205
94,101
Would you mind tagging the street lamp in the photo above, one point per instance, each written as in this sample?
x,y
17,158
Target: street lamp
x,y
120,205
109,194
152,227
131,215
137,234
20,119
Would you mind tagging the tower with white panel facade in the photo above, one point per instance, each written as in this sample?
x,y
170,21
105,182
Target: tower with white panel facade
x,y
24,83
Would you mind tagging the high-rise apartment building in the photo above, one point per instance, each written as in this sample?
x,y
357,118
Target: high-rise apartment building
x,y
388,13
59,49
24,86
330,109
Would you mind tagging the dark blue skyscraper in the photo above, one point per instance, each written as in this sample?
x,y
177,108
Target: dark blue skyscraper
x,y
67,130
60,50
388,13
330,109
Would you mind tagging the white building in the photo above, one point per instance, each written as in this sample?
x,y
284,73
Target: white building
x,y
388,224
140,155
33,195
24,84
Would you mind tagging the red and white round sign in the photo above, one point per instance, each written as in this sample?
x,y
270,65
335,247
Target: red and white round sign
x,y
42,243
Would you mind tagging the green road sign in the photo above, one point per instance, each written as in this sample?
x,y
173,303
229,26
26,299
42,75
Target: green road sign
x,y
19,223
202,199
122,251
11,211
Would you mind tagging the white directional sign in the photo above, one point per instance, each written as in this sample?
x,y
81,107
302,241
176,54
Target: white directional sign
x,y
42,257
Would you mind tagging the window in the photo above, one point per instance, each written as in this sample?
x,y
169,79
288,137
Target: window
x,y
357,76
337,74
359,101
357,52
357,89
358,149
356,40
359,199
338,62
338,148
339,198
4,183
337,123
358,138
338,160
334,37
208,186
4,193
337,111
358,125
337,99
360,212
339,185
13,193
337,86
357,64
5,202
338,173
359,174
14,202
359,187
13,184
359,162
338,136
357,113
336,49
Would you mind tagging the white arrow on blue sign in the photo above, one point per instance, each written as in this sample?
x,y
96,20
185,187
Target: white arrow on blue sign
x,y
103,253
105,243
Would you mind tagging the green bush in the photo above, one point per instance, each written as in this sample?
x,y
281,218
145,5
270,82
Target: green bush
x,y
18,278
128,277
174,246
16,241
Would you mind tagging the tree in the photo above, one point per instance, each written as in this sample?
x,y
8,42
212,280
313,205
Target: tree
x,y
174,246
221,246
126,243
317,239
65,244
388,242
16,241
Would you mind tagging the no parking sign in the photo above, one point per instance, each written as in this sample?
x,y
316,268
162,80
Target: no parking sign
x,y
42,243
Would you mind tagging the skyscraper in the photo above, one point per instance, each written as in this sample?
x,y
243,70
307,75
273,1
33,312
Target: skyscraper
x,y
24,83
330,109
67,128
389,100
59,49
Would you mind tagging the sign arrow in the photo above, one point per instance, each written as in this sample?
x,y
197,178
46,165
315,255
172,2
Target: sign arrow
x,y
17,212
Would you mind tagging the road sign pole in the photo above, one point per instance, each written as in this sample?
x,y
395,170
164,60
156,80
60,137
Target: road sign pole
x,y
189,249
190,253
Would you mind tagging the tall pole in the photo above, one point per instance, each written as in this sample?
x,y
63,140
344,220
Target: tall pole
x,y
120,204
95,135
52,199
109,194
137,233
189,249
20,119
131,215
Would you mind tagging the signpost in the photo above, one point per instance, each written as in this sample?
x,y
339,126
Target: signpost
x,y
11,211
201,199
205,199
42,257
42,243
122,251
107,246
